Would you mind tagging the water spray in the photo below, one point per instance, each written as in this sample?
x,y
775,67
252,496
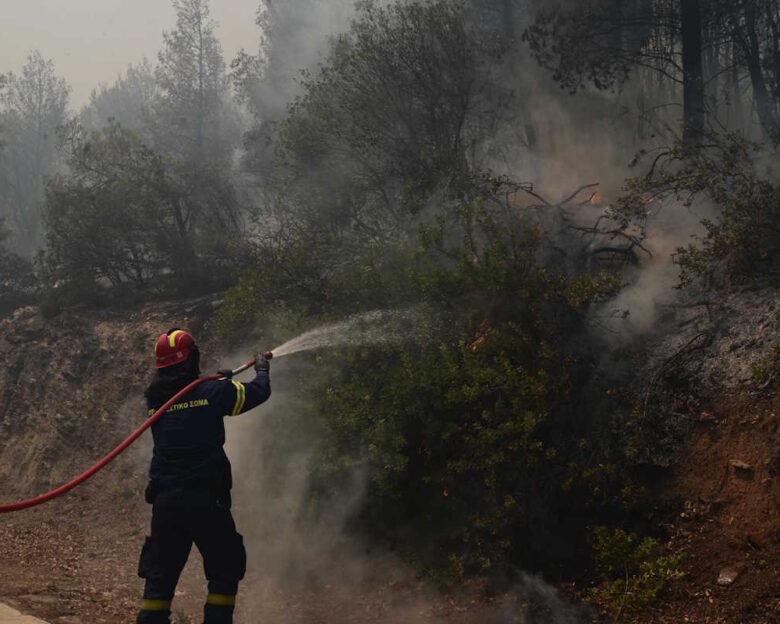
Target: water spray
x,y
377,327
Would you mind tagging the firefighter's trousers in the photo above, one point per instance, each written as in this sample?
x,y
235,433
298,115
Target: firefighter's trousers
x,y
179,518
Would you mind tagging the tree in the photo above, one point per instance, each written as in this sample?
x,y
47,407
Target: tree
x,y
120,217
688,44
192,123
603,42
190,117
754,29
400,105
692,71
743,238
35,105
127,101
110,220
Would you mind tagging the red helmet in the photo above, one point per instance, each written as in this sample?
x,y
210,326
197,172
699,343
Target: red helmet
x,y
173,347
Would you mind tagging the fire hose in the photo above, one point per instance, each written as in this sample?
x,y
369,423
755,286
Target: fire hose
x,y
66,487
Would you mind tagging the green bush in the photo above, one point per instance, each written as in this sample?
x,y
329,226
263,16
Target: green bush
x,y
767,368
634,574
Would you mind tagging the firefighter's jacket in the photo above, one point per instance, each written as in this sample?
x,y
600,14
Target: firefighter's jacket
x,y
189,437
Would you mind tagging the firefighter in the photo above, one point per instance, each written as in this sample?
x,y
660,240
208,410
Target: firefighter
x,y
190,480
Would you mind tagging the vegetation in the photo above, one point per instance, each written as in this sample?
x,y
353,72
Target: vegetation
x,y
15,273
766,369
398,171
121,218
697,48
634,574
469,437
742,238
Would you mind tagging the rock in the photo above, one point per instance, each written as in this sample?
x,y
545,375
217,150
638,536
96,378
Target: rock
x,y
727,576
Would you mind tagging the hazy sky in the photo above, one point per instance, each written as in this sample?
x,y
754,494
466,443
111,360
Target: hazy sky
x,y
92,41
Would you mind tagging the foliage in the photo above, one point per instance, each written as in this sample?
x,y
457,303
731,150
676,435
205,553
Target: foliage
x,y
473,451
606,43
127,101
634,574
393,112
766,369
601,41
152,208
292,36
744,236
754,28
122,218
422,52
16,274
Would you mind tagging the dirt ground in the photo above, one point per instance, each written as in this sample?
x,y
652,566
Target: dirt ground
x,y
730,522
74,562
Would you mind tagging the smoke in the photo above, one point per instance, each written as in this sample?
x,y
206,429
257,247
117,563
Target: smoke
x,y
638,308
295,38
558,144
533,601
308,567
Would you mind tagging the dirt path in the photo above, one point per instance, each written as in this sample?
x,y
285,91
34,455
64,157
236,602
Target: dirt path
x,y
74,561
12,616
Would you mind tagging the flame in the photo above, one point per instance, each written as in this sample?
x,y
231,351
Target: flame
x,y
481,334
596,198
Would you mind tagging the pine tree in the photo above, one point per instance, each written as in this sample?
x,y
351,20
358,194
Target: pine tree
x,y
190,111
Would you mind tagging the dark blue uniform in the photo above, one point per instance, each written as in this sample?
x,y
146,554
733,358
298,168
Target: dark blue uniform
x,y
189,486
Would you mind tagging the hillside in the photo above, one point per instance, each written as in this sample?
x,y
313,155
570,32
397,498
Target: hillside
x,y
71,390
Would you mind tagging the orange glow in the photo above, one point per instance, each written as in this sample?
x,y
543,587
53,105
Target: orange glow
x,y
596,198
481,334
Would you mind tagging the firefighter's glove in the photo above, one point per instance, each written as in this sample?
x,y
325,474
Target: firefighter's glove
x,y
262,365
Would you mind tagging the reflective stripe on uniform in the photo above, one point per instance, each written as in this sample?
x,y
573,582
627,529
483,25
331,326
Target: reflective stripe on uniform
x,y
155,605
221,600
240,397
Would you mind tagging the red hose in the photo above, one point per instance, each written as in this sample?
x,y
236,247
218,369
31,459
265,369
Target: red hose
x,y
66,487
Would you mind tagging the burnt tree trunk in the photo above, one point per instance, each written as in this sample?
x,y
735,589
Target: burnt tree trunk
x,y
693,78
761,96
